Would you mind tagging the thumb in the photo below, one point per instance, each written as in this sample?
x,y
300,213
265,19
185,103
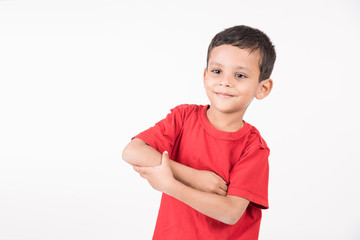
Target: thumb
x,y
165,158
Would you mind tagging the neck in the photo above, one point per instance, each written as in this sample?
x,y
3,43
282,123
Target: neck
x,y
228,122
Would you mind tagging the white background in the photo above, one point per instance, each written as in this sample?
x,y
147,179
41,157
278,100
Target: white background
x,y
79,78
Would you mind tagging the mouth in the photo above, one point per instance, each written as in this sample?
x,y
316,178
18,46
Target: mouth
x,y
223,95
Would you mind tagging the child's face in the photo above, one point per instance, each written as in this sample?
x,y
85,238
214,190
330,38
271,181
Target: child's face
x,y
231,79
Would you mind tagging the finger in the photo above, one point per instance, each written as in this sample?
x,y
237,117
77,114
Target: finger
x,y
223,186
141,170
164,158
221,183
221,192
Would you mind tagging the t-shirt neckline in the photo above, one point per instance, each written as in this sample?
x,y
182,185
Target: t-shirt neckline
x,y
218,133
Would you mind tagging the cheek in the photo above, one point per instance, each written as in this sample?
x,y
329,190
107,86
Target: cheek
x,y
246,91
210,82
208,88
206,83
242,88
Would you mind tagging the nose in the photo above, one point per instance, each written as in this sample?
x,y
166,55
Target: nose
x,y
224,82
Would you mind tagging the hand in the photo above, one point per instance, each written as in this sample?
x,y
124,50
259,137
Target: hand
x,y
159,177
210,182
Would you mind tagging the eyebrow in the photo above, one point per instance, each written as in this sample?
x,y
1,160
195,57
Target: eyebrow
x,y
237,67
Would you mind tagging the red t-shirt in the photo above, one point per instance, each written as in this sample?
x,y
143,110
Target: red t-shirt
x,y
240,158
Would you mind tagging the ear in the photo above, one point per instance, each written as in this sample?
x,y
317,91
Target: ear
x,y
204,77
264,88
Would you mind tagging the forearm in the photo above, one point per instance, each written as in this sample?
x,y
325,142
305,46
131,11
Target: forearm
x,y
227,209
138,153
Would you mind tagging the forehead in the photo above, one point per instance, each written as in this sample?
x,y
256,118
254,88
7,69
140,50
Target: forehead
x,y
235,57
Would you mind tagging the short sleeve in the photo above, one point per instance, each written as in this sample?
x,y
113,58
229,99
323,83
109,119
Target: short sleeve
x,y
164,133
249,177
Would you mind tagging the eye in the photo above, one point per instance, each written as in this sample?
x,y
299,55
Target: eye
x,y
239,75
216,71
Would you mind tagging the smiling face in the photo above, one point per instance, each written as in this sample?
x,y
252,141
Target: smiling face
x,y
231,79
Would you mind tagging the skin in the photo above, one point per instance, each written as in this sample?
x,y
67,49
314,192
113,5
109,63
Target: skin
x,y
231,82
138,153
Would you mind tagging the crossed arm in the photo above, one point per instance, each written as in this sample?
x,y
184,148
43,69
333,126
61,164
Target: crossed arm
x,y
204,191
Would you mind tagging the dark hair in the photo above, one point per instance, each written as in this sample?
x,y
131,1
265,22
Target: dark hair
x,y
246,37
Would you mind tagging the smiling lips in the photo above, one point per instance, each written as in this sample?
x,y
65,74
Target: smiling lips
x,y
223,95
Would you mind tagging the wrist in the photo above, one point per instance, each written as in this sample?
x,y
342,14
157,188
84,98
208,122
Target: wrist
x,y
183,173
194,178
173,186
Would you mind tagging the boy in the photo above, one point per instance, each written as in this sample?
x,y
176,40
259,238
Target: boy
x,y
213,170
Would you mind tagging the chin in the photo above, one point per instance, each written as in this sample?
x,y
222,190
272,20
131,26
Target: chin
x,y
224,109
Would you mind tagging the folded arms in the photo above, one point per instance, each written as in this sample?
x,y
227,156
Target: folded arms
x,y
204,191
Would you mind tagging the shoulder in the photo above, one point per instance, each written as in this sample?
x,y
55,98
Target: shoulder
x,y
186,110
187,107
255,149
254,139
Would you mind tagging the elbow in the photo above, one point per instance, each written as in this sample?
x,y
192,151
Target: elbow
x,y
235,209
126,154
233,215
232,219
130,154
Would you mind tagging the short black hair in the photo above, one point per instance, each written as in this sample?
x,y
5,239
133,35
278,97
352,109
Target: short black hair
x,y
246,37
